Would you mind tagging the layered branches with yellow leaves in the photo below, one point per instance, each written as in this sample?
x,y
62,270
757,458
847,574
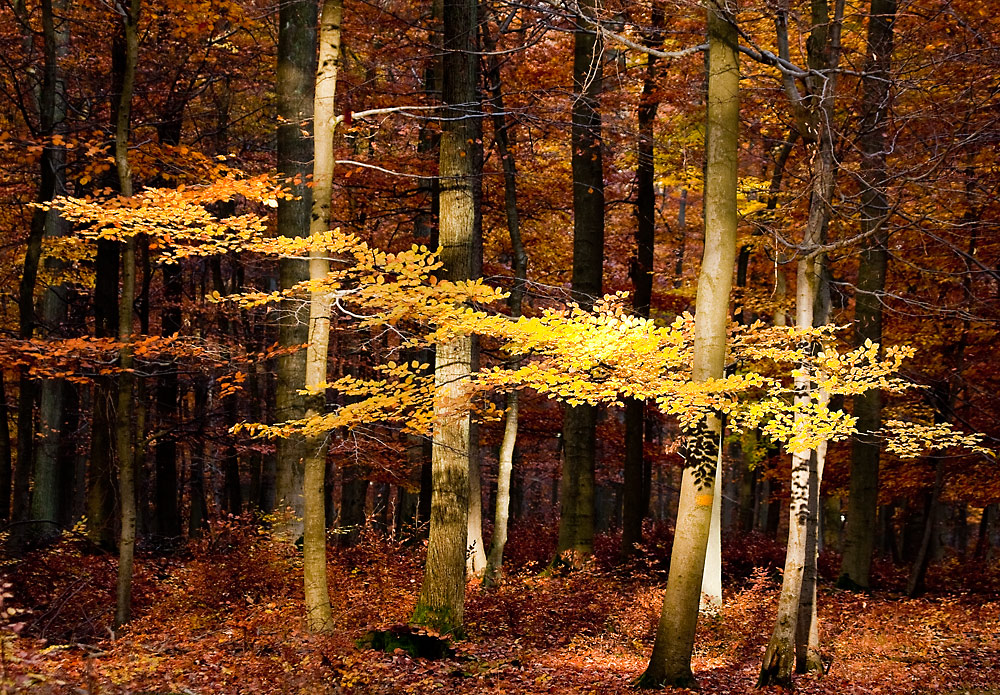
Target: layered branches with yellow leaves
x,y
601,356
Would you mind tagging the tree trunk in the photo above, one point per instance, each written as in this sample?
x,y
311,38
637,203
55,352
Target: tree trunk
x,y
862,507
641,271
796,604
123,414
6,467
918,573
295,93
670,663
442,597
576,521
319,615
505,458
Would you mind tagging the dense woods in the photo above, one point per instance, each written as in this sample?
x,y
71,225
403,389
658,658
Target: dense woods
x,y
368,346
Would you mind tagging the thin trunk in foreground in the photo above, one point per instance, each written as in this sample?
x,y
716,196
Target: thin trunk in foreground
x,y
670,663
318,611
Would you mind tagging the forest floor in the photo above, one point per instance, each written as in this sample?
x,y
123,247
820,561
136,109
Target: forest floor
x,y
225,616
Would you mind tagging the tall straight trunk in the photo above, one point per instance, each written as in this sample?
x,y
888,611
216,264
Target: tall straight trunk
x,y
641,271
45,492
442,596
319,615
123,415
505,458
862,507
796,628
475,553
51,113
295,85
6,467
576,520
168,520
670,663
101,473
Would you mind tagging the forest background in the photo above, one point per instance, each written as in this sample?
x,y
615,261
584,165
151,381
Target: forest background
x,y
200,378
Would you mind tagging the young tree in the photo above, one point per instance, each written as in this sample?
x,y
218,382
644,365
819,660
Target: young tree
x,y
442,596
641,272
670,663
795,640
505,459
318,610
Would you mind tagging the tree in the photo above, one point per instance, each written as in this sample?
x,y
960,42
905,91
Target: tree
x,y
576,519
318,610
295,85
505,458
442,596
863,496
641,272
123,415
795,640
670,663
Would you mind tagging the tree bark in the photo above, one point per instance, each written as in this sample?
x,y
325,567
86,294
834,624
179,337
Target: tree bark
x,y
441,604
862,507
123,414
795,628
6,467
295,86
319,614
670,663
505,458
641,272
576,520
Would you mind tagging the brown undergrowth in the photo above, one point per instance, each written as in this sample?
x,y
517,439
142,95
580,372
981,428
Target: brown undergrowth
x,y
226,618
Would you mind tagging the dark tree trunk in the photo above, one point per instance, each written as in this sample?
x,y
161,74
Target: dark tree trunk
x,y
295,86
576,521
862,509
641,272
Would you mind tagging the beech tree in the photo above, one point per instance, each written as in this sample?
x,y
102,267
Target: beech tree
x,y
670,663
442,597
295,86
317,595
579,437
863,496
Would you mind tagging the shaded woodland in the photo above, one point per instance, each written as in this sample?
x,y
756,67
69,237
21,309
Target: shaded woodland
x,y
559,346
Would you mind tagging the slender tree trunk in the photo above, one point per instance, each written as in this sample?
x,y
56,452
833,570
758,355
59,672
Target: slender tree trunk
x,y
442,597
123,415
44,511
6,467
295,93
198,511
505,458
641,271
862,507
576,521
798,580
918,573
670,663
318,611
